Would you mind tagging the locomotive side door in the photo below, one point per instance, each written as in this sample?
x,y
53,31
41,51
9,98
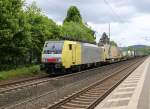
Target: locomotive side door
x,y
73,54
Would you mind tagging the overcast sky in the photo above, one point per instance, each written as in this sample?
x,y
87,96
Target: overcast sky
x,y
129,19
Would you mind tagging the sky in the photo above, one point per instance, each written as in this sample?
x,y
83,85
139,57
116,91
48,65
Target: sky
x,y
129,19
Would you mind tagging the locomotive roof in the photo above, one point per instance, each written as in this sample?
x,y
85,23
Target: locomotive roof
x,y
69,40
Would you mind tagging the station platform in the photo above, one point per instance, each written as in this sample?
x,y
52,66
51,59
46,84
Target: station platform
x,y
132,93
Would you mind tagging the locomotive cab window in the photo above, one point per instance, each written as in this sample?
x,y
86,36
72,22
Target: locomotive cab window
x,y
53,47
70,46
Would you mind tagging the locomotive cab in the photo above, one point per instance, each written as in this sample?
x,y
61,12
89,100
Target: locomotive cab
x,y
52,55
69,55
60,55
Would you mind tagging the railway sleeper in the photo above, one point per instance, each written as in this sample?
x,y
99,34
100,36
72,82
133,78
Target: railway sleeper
x,y
73,106
95,92
83,99
98,90
88,97
67,107
80,102
92,95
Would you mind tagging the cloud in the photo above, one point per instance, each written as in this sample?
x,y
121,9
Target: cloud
x,y
142,5
96,11
130,33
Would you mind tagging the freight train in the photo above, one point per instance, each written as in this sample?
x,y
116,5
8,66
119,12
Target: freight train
x,y
65,55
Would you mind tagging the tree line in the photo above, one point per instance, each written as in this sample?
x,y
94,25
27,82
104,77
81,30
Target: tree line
x,y
24,29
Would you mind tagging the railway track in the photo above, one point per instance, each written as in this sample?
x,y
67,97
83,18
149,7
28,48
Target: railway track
x,y
9,83
90,96
105,71
16,85
22,83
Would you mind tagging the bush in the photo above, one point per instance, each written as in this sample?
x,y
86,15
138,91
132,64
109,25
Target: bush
x,y
32,70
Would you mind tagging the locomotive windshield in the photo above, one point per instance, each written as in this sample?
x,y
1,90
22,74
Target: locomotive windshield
x,y
53,47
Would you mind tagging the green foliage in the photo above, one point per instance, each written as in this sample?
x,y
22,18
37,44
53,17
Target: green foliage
x,y
41,29
76,31
144,51
73,14
12,32
130,48
25,71
74,27
23,33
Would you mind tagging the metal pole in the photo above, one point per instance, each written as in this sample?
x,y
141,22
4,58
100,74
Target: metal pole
x,y
109,30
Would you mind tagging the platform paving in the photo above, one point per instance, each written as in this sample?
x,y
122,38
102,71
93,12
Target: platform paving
x,y
132,93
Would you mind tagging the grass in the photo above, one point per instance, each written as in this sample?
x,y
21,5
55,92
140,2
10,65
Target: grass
x,y
19,72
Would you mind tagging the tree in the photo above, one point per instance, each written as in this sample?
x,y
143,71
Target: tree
x,y
23,33
76,31
42,29
74,27
143,51
12,31
73,14
130,48
104,39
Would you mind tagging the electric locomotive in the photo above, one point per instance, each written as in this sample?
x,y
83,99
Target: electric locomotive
x,y
66,54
